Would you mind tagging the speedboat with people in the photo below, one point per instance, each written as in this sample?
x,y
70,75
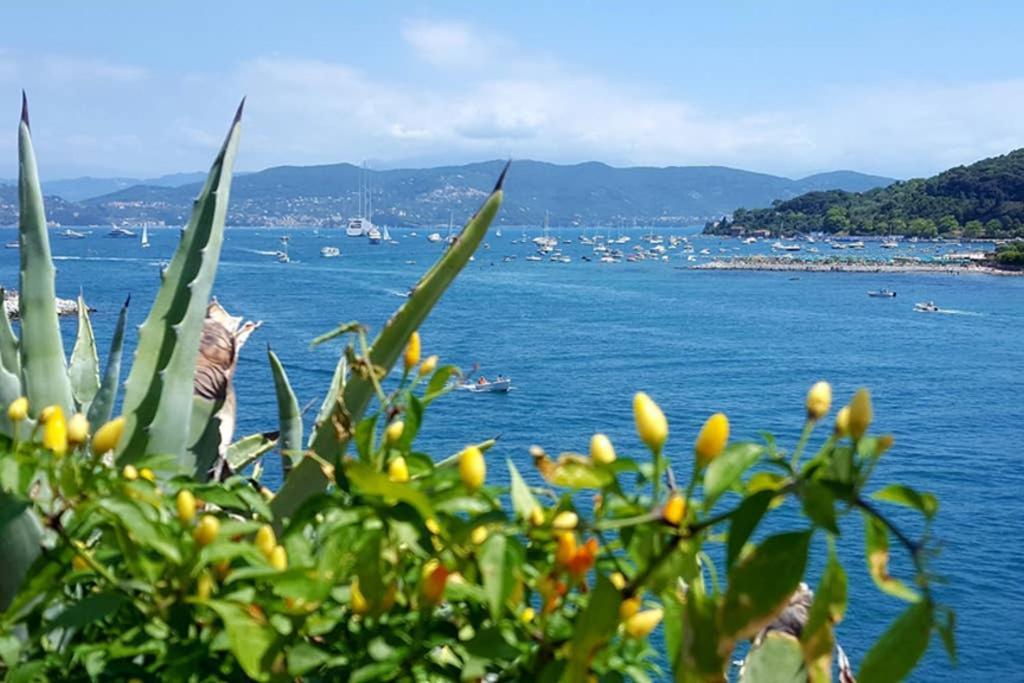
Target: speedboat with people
x,y
330,252
926,307
483,385
882,293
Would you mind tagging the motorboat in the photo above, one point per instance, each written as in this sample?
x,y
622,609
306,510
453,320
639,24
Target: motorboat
x,y
434,237
374,235
890,244
882,293
926,307
502,385
330,252
750,240
282,257
534,257
118,231
12,245
72,234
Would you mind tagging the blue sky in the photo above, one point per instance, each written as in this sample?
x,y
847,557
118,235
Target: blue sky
x,y
143,89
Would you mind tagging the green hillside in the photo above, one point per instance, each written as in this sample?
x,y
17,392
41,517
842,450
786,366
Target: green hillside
x,y
985,199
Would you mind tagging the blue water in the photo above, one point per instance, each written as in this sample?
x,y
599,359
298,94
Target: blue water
x,y
578,339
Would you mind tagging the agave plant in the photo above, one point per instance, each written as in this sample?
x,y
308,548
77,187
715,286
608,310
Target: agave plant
x,y
178,399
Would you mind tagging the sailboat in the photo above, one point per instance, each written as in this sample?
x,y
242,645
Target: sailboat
x,y
145,236
449,238
361,225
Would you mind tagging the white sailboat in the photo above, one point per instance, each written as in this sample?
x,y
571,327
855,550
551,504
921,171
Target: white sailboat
x,y
145,236
362,225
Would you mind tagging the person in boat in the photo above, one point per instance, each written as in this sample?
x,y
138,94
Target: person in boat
x,y
482,380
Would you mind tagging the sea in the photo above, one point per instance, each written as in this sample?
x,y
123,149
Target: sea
x,y
579,338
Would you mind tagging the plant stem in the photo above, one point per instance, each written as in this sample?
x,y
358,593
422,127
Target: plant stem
x,y
799,450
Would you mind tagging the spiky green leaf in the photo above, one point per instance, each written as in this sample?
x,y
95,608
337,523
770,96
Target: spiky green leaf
x,y
103,404
288,415
84,368
158,393
44,368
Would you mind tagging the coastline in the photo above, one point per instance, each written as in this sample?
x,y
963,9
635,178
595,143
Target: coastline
x,y
764,263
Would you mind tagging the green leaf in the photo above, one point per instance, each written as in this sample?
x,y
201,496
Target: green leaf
x,y
20,539
761,583
84,369
702,656
158,393
102,407
288,415
498,559
876,549
43,366
896,653
819,505
438,382
204,442
93,607
368,481
134,521
249,449
573,471
594,627
727,468
829,605
303,658
925,503
776,660
328,442
523,501
743,522
250,639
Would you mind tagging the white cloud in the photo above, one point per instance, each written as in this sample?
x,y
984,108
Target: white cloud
x,y
525,105
445,43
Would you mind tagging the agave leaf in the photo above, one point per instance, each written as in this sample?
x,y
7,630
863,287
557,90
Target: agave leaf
x,y
333,395
84,369
44,368
102,406
249,448
20,535
8,342
204,438
331,435
288,414
158,393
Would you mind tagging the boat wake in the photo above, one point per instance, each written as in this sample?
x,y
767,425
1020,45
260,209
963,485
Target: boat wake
x,y
954,311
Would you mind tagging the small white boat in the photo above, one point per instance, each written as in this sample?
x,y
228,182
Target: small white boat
x,y
118,231
926,307
282,257
12,245
374,235
534,257
503,385
882,293
434,237
330,252
890,244
750,240
72,234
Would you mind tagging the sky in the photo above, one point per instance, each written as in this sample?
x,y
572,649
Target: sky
x,y
791,88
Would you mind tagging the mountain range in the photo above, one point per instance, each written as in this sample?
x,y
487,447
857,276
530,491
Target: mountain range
x,y
590,193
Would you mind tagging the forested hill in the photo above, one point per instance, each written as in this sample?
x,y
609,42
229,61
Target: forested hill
x,y
582,194
983,199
